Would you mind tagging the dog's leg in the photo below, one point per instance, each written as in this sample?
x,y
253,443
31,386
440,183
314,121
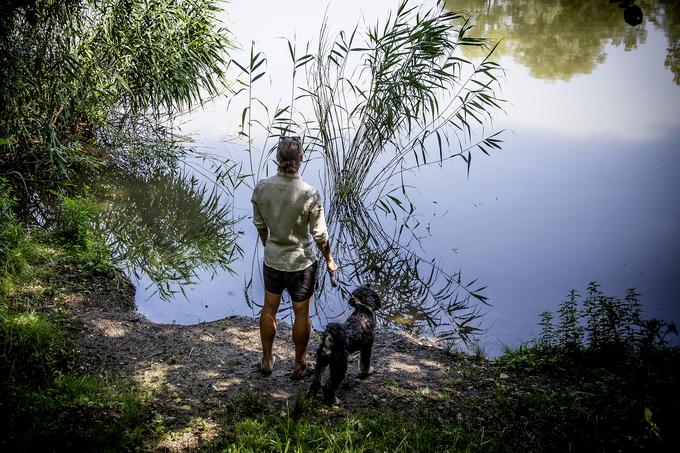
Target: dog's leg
x,y
338,370
365,361
322,361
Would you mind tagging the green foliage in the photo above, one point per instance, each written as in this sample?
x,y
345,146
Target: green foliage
x,y
359,432
45,404
73,228
605,379
72,223
79,75
604,324
17,247
569,331
31,347
73,412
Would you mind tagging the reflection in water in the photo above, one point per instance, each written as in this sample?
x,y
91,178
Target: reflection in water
x,y
167,226
417,294
557,40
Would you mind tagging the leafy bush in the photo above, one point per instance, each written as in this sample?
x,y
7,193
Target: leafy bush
x,y
79,75
603,323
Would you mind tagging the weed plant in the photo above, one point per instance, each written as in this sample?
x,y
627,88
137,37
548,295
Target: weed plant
x,y
604,325
599,369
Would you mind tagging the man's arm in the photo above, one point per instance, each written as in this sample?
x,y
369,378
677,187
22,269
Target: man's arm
x,y
325,249
258,220
264,234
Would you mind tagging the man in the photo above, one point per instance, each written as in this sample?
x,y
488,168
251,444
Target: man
x,y
288,214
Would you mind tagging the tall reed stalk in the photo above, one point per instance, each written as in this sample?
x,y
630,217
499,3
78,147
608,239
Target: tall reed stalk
x,y
409,101
393,99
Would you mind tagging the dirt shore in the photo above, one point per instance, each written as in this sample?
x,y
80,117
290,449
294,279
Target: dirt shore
x,y
194,371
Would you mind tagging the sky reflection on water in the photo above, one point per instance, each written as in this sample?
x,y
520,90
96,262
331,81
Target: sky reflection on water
x,y
584,189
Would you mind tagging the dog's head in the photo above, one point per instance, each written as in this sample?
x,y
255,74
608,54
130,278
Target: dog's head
x,y
365,296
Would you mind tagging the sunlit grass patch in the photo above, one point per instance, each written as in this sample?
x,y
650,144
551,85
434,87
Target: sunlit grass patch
x,y
409,430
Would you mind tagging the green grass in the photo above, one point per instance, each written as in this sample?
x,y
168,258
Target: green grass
x,y
46,402
363,431
529,399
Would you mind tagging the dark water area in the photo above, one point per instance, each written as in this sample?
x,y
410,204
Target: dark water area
x,y
585,187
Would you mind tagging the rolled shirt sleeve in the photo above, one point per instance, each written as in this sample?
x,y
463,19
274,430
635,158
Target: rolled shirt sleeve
x,y
258,220
317,221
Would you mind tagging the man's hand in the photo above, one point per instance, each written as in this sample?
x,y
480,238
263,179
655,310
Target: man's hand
x,y
332,267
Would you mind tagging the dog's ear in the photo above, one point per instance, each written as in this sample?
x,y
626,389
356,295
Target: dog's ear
x,y
377,301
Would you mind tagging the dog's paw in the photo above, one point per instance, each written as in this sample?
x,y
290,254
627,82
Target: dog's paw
x,y
335,401
366,374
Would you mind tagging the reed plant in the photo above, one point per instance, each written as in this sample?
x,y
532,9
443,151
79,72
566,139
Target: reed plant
x,y
374,105
413,100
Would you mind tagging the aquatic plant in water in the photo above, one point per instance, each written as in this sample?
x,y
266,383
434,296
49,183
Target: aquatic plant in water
x,y
384,102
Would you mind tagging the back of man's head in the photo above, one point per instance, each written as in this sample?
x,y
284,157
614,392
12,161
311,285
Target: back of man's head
x,y
289,154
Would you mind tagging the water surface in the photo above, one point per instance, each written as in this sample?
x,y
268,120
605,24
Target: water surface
x,y
585,187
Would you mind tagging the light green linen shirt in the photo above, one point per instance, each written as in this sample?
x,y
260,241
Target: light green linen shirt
x,y
292,210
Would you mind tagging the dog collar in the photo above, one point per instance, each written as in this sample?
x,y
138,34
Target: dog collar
x,y
370,309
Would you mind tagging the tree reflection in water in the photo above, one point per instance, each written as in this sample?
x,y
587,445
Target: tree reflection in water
x,y
557,40
418,295
168,226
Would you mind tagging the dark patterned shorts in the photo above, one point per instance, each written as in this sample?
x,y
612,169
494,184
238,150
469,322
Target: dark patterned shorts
x,y
299,284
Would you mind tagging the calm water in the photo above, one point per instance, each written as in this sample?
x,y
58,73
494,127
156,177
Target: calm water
x,y
585,188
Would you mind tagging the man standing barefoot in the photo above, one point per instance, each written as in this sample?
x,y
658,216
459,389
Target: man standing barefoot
x,y
288,214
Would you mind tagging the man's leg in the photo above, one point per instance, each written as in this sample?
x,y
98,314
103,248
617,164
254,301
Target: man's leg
x,y
268,326
302,327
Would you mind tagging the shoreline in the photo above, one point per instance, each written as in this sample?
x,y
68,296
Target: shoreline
x,y
198,369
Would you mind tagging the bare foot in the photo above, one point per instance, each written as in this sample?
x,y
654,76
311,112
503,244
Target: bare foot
x,y
266,366
299,371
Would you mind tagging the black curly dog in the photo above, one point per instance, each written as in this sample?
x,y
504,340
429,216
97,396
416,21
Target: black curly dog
x,y
338,341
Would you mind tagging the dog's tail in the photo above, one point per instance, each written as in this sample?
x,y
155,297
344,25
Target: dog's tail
x,y
333,340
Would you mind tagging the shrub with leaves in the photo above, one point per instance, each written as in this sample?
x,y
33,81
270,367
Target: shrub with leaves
x,y
76,75
604,323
